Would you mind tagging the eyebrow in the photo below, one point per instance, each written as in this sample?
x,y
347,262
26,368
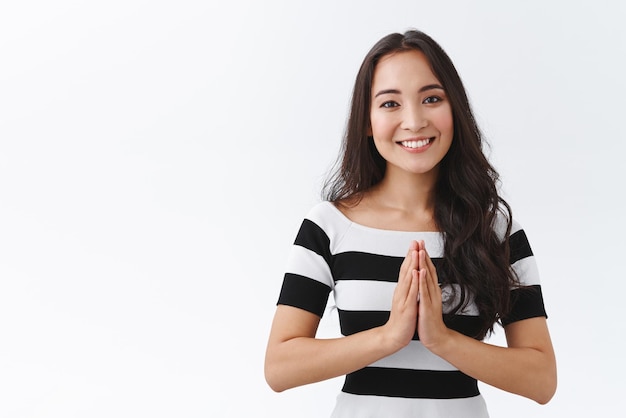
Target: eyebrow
x,y
421,90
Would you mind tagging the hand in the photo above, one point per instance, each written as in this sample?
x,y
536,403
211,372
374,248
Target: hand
x,y
401,326
430,326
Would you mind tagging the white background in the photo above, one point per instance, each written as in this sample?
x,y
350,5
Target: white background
x,y
157,157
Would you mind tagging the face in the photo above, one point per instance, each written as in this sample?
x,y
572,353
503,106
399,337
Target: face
x,y
410,116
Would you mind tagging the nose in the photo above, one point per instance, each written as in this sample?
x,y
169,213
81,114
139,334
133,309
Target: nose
x,y
414,119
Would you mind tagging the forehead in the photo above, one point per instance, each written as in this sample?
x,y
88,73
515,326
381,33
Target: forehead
x,y
403,68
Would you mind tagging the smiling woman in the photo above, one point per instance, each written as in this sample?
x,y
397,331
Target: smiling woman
x,y
421,253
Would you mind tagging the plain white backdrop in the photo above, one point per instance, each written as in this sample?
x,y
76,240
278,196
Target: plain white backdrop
x,y
157,158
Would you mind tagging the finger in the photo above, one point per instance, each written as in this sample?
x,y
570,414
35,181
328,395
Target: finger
x,y
417,277
422,259
404,267
431,279
432,270
412,259
429,263
403,288
413,264
414,289
424,294
420,247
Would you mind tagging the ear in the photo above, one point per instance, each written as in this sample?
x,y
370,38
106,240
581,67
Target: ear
x,y
369,130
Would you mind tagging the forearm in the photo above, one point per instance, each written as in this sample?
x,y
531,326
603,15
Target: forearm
x,y
526,371
302,360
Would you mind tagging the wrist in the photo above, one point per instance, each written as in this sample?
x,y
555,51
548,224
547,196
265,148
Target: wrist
x,y
443,344
389,341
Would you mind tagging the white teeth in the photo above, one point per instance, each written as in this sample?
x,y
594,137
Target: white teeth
x,y
416,144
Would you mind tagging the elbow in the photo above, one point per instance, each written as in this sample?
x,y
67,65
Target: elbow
x,y
273,383
547,389
546,395
544,382
274,386
275,370
273,377
544,398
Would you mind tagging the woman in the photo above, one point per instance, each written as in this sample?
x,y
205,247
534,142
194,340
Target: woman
x,y
421,253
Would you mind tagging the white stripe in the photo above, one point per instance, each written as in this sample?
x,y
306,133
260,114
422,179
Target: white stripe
x,y
307,263
390,243
364,295
350,406
514,227
527,271
331,220
371,295
416,357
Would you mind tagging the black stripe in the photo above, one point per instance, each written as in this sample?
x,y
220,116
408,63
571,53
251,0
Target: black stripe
x,y
520,247
312,237
526,302
357,265
352,322
354,265
304,293
468,325
403,383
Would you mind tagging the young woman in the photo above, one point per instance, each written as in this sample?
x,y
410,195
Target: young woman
x,y
420,252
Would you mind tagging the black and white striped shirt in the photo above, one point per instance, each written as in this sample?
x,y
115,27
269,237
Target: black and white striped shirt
x,y
360,265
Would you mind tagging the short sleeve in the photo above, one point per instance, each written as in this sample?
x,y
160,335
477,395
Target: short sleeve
x,y
308,279
527,299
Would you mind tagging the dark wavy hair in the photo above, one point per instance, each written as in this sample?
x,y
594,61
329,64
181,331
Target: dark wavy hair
x,y
467,201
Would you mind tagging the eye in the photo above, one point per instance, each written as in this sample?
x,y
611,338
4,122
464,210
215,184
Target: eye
x,y
432,99
389,104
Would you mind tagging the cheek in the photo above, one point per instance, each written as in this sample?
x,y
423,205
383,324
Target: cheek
x,y
380,126
444,121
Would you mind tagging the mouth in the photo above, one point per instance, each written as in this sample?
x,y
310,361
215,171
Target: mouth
x,y
417,143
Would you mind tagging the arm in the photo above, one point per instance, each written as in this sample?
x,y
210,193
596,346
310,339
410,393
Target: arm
x,y
526,367
295,357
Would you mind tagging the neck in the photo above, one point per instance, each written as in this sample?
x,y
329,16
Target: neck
x,y
408,191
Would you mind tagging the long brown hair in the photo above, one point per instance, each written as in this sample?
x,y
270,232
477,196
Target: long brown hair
x,y
467,201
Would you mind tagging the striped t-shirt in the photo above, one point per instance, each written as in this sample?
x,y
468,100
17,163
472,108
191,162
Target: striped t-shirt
x,y
360,265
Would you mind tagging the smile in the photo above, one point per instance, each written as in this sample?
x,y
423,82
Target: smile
x,y
416,144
